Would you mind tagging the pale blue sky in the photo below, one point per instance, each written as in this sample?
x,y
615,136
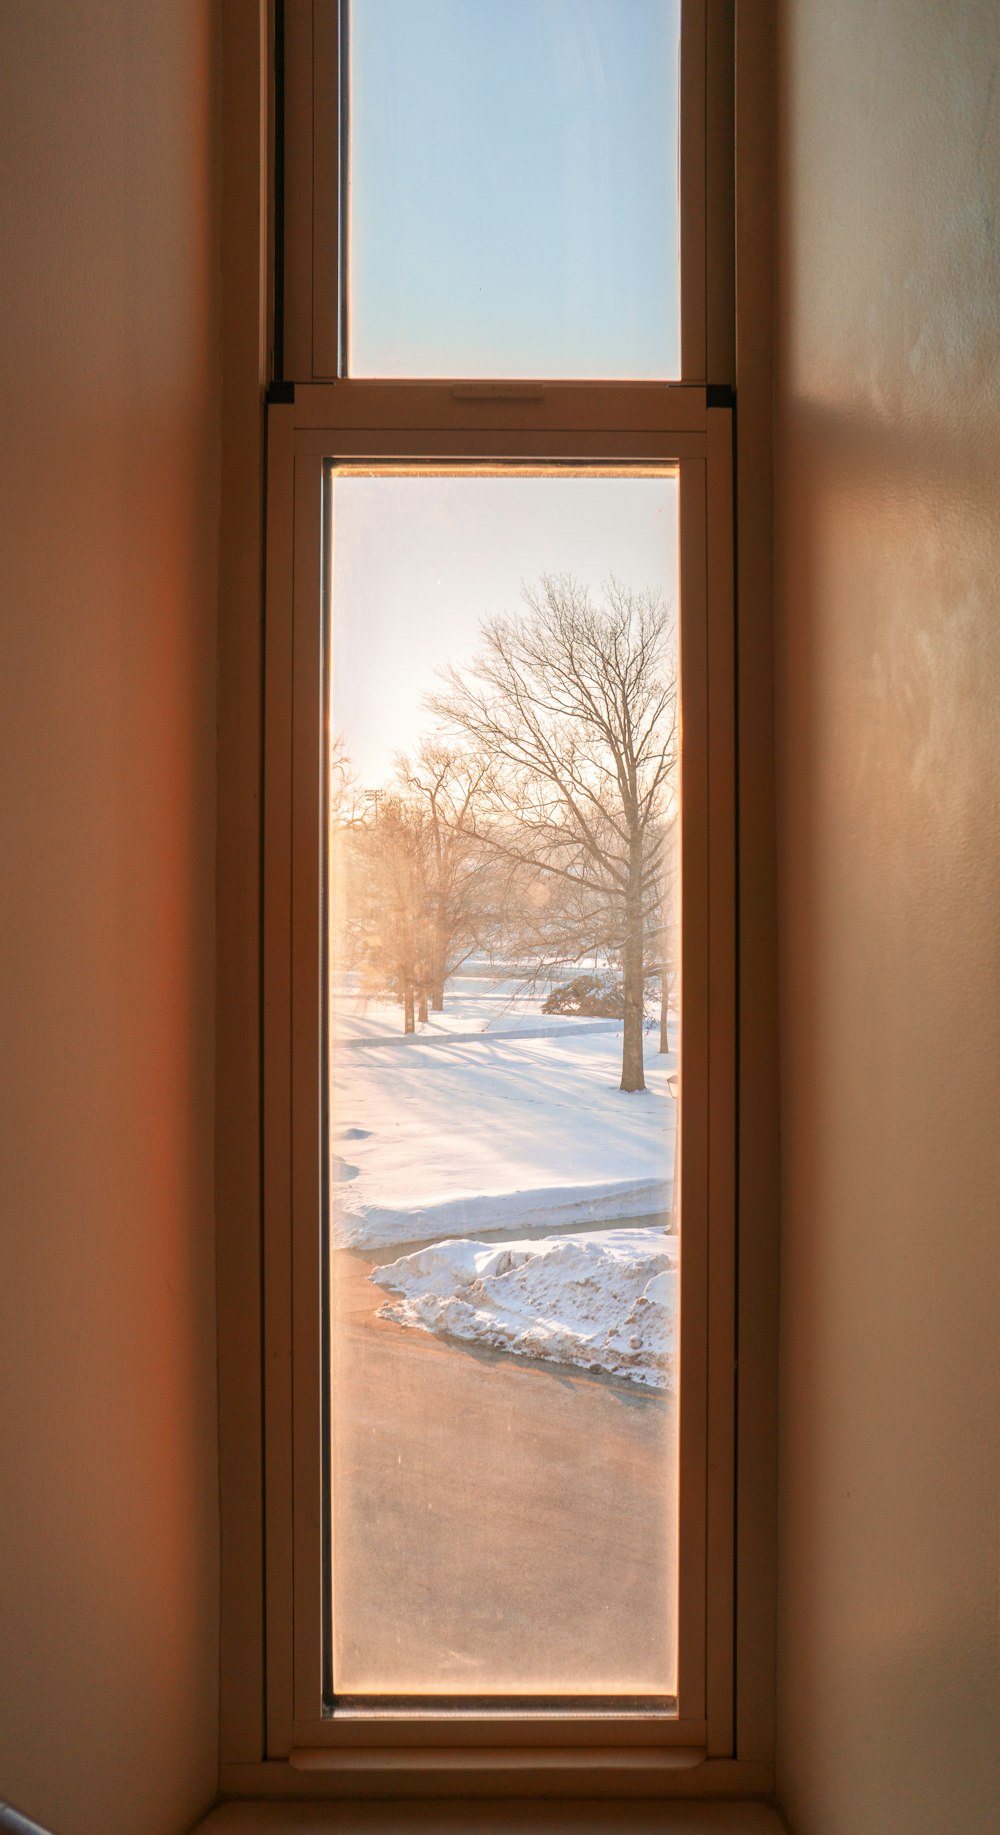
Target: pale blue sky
x,y
514,188
418,562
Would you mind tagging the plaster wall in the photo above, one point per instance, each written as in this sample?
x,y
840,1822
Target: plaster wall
x,y
108,451
888,628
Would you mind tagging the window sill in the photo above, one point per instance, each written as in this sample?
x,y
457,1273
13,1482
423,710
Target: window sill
x,y
526,1817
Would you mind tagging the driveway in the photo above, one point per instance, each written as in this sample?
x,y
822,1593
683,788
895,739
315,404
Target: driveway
x,y
499,1526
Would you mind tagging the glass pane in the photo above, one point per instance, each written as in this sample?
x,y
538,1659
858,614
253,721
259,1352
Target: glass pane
x,y
513,188
503,1076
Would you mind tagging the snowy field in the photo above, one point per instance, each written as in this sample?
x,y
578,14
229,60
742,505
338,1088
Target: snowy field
x,y
494,1120
606,1301
456,1129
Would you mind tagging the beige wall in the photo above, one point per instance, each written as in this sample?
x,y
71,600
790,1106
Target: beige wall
x,y
889,765
108,1533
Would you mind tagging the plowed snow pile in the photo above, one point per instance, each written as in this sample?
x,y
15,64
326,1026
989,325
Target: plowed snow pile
x,y
605,1301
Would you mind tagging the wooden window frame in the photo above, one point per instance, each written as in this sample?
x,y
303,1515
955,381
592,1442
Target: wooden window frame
x,y
264,1750
314,338
304,439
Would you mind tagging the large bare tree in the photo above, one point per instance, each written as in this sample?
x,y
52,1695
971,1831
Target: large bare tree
x,y
575,706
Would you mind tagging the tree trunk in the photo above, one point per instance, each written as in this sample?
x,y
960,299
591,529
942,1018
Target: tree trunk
x,y
633,1071
437,980
422,1007
408,1022
664,1034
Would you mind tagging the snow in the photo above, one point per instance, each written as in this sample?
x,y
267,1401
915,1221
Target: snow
x,y
493,1117
497,1120
605,1301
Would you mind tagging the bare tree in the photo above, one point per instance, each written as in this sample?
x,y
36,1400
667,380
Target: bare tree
x,y
342,783
575,706
346,805
661,936
388,902
447,784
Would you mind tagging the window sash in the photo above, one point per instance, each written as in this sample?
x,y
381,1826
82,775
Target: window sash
x,y
585,423
313,334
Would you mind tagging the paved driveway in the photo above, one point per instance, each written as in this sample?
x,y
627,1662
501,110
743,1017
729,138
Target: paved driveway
x,y
499,1526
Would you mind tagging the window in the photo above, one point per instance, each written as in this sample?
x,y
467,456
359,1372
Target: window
x,y
388,452
503,1052
511,187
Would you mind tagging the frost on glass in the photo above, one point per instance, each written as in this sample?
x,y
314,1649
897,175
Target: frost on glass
x,y
513,185
503,1075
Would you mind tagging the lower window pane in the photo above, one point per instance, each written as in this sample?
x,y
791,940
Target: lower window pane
x,y
503,1060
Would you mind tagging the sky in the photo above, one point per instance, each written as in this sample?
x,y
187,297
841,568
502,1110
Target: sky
x,y
417,562
513,188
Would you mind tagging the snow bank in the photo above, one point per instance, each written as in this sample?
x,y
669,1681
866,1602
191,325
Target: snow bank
x,y
380,1226
605,1301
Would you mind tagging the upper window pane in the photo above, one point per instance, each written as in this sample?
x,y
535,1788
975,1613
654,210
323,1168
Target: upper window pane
x,y
513,189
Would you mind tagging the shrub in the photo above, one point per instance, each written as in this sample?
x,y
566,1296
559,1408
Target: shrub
x,y
590,996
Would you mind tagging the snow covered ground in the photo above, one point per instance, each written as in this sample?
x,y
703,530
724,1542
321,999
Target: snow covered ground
x,y
492,1118
606,1301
